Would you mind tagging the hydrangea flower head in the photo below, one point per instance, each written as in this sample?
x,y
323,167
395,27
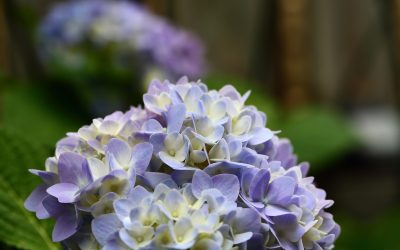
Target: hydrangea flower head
x,y
193,169
123,29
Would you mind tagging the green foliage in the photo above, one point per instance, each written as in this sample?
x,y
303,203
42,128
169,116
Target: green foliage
x,y
105,78
369,233
19,227
36,114
318,135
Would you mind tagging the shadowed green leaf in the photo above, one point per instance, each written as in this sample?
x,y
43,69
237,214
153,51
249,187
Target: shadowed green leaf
x,y
19,227
30,111
318,135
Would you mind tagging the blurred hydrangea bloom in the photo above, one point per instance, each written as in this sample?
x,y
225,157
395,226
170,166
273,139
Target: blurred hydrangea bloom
x,y
194,169
123,29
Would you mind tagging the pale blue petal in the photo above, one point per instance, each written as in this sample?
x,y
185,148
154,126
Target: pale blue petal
x,y
104,205
123,208
35,198
157,140
64,192
175,117
120,150
228,184
260,135
259,184
152,126
155,178
141,156
200,182
170,161
280,191
70,168
219,151
66,225
104,227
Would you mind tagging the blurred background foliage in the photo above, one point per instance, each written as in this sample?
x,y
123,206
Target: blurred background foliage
x,y
325,72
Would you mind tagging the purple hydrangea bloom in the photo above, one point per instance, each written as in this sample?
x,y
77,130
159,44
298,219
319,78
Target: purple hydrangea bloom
x,y
203,212
194,169
126,28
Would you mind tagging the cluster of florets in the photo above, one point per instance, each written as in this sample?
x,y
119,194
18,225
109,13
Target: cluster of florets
x,y
123,29
194,169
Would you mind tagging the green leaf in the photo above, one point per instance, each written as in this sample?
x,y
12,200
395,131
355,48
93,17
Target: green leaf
x,y
376,232
34,112
19,227
318,135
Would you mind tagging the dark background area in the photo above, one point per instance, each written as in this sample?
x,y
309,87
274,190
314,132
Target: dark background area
x,y
326,72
